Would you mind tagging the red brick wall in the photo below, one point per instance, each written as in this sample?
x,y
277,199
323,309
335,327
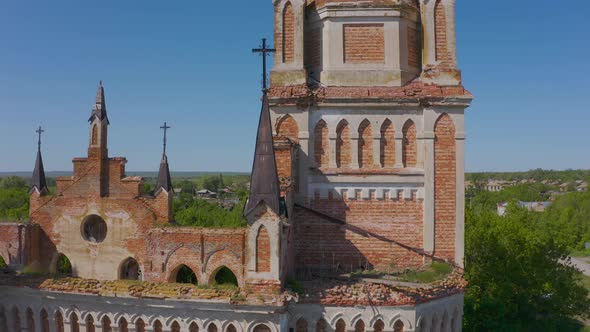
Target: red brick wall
x,y
287,127
288,35
414,48
321,144
163,250
365,145
444,187
376,231
364,43
11,242
409,145
313,46
440,19
343,148
387,144
262,250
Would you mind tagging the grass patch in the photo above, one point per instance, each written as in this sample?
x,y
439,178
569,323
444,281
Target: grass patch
x,y
435,272
585,281
580,253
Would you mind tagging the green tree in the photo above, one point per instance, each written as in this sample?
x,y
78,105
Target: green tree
x,y
519,276
14,203
213,183
13,182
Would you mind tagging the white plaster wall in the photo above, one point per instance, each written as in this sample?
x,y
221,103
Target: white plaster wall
x,y
203,313
95,260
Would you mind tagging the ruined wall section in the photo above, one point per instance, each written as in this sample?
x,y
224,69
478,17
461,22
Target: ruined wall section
x,y
203,250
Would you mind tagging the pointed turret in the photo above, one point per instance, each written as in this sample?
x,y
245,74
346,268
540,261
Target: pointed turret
x,y
164,181
264,182
99,110
38,181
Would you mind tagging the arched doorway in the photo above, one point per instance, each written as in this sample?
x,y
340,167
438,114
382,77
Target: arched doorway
x,y
59,321
184,275
261,328
157,326
225,277
63,266
90,324
139,325
129,269
3,320
212,328
44,321
301,325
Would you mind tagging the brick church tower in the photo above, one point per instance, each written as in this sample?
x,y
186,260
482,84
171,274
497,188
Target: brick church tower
x,y
367,106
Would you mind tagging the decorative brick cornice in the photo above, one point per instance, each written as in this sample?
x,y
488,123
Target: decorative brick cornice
x,y
413,93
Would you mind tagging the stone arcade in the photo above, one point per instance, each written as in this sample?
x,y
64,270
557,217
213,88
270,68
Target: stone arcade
x,y
359,164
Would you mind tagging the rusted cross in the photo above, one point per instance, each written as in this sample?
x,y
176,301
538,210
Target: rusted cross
x,y
39,131
264,51
165,127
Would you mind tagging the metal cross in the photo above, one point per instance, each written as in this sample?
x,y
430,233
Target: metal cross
x,y
39,131
165,127
264,51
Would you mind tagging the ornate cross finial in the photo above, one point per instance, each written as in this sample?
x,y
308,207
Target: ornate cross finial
x,y
264,51
39,131
165,127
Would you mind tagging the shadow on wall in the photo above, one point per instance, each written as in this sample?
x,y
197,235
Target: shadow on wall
x,y
326,244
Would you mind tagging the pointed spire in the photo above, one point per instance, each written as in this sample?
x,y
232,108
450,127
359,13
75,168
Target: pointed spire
x,y
164,181
99,109
264,182
38,179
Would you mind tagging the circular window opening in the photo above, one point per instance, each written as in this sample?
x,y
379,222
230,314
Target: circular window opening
x,y
94,229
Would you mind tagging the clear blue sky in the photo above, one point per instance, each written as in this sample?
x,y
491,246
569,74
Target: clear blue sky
x,y
189,63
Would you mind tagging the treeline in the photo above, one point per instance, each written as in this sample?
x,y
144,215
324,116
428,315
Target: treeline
x,y
517,265
14,199
536,174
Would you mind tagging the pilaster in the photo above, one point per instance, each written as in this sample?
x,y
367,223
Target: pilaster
x,y
429,191
354,149
399,150
377,151
460,199
332,136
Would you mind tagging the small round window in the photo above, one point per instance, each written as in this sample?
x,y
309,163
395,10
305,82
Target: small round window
x,y
94,229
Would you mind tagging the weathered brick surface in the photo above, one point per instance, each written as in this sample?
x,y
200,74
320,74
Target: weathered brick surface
x,y
444,187
409,147
414,92
440,27
365,145
414,48
262,251
380,234
203,250
387,144
287,127
368,3
12,239
288,36
364,43
313,45
343,146
321,144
